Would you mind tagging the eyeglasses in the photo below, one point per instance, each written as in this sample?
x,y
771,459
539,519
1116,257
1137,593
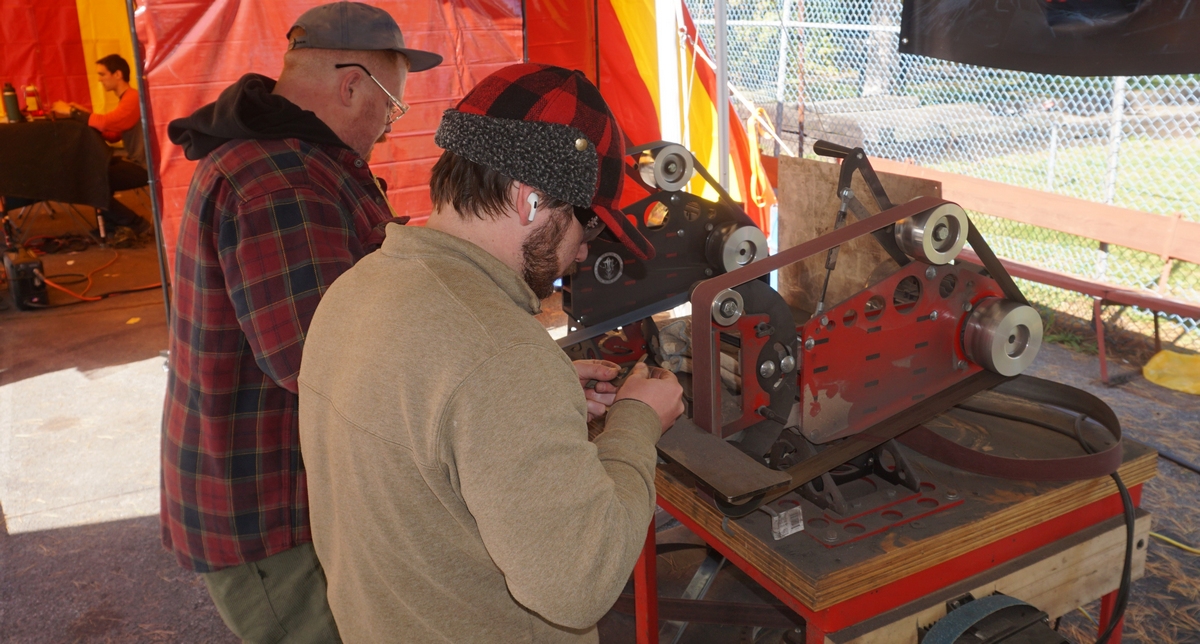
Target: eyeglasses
x,y
398,107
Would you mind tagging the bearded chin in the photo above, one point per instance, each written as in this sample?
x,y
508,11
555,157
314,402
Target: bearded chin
x,y
540,256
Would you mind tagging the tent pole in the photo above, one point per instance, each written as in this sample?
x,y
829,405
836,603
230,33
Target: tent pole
x,y
721,95
151,172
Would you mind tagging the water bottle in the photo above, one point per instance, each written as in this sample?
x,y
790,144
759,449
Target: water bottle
x,y
31,99
11,107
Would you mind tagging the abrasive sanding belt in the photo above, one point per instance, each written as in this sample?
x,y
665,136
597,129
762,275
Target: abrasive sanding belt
x,y
932,444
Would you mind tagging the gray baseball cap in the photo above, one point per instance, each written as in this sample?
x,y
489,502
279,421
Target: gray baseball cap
x,y
357,26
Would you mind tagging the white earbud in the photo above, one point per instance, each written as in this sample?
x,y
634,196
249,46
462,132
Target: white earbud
x,y
533,204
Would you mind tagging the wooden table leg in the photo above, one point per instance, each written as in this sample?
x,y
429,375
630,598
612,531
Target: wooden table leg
x,y
1107,604
645,592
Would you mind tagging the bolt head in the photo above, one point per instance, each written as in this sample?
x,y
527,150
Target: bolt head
x,y
708,227
729,307
679,232
824,320
933,315
708,272
930,273
966,306
766,369
830,535
809,344
787,364
962,364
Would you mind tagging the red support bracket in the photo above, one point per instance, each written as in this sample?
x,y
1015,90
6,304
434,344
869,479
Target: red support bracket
x,y
645,592
1107,604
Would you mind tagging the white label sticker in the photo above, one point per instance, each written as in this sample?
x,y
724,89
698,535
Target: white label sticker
x,y
787,523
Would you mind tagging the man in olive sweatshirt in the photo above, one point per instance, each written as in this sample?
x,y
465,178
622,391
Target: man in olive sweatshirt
x,y
454,495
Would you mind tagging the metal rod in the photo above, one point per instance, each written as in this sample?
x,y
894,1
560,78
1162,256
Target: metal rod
x,y
151,173
1050,165
781,69
721,93
836,26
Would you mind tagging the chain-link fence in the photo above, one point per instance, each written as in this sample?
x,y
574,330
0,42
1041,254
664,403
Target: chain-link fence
x,y
1127,141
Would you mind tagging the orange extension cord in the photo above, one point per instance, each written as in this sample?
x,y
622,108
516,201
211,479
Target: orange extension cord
x,y
95,298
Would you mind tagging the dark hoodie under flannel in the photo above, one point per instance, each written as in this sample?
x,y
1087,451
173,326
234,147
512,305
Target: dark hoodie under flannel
x,y
278,208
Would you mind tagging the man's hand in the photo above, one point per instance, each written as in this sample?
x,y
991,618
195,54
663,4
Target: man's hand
x,y
601,394
60,108
659,389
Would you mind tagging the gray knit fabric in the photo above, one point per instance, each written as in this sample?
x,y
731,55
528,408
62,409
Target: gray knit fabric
x,y
541,155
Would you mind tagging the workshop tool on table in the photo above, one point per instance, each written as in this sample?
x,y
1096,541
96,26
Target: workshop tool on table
x,y
826,393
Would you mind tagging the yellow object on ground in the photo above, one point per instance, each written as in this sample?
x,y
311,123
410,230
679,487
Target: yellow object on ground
x,y
1177,371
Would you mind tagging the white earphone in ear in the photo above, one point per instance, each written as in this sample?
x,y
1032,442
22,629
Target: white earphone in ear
x,y
533,204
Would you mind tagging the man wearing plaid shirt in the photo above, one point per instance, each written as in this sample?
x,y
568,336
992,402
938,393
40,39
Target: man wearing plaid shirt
x,y
281,204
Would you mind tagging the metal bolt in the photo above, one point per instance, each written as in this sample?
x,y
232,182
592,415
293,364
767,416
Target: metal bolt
x,y
675,198
933,315
729,307
830,535
809,344
708,272
708,227
846,193
940,233
930,273
966,306
962,364
904,41
891,493
787,364
951,494
679,232
824,320
766,369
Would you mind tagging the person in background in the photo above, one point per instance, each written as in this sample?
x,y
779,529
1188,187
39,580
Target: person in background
x,y
123,124
282,202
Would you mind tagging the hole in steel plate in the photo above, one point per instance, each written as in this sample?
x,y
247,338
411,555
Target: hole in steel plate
x,y
850,317
817,523
887,461
927,503
855,528
892,515
946,287
1141,544
657,215
873,308
907,294
928,487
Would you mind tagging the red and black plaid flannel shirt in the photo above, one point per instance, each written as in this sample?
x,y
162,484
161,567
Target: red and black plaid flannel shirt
x,y
267,227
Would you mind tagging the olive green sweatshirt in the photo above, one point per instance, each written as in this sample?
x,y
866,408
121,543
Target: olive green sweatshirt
x,y
454,495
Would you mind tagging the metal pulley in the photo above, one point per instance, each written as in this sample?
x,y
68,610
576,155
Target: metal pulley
x,y
728,307
732,247
935,236
1002,336
673,168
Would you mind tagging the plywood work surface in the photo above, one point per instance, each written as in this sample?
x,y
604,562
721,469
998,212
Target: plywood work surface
x,y
820,576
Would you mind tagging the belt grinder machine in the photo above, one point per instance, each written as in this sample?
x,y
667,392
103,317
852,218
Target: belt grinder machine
x,y
825,394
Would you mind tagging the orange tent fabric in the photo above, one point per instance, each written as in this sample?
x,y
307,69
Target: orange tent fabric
x,y
193,49
40,44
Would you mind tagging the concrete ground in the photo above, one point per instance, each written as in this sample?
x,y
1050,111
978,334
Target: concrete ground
x,y
81,392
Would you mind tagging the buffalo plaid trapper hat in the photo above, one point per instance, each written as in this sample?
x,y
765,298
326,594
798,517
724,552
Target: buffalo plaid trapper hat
x,y
548,128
